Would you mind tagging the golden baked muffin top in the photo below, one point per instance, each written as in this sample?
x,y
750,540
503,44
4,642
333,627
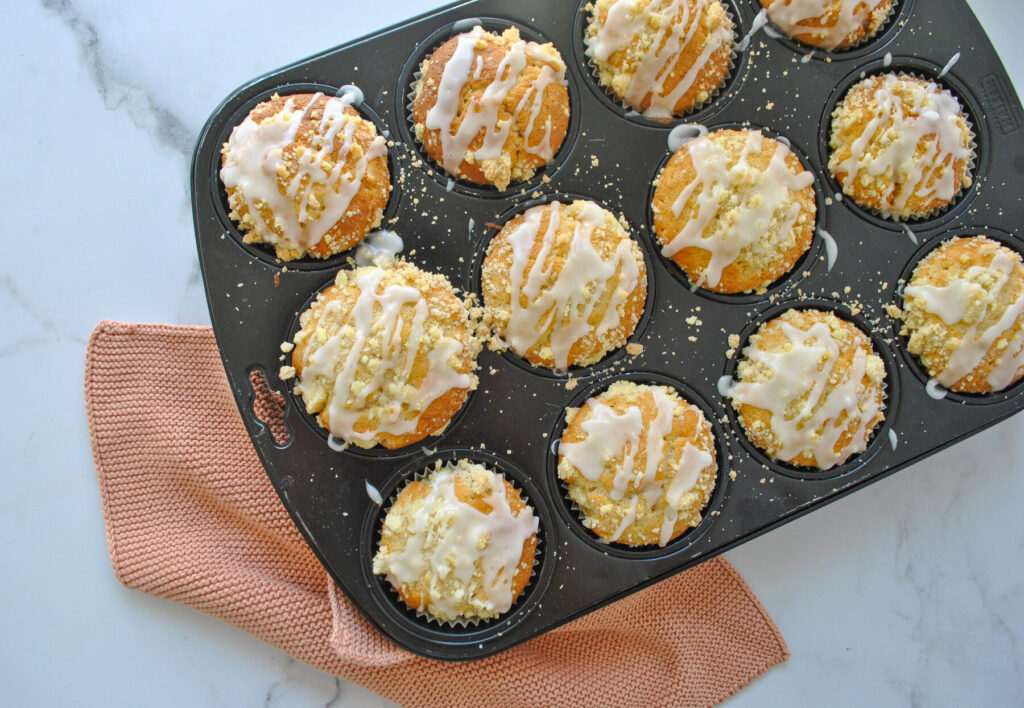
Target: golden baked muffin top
x,y
900,145
963,312
735,210
829,24
565,284
639,462
491,108
458,544
810,389
305,174
384,355
661,58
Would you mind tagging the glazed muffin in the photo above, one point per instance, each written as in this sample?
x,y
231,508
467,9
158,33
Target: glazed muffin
x,y
963,312
662,58
565,284
639,463
810,389
901,146
735,210
458,544
384,355
829,24
306,175
491,109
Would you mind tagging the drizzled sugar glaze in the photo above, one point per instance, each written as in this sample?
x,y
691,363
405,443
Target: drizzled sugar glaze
x,y
900,145
635,449
559,281
983,311
475,127
383,357
654,35
819,402
736,206
295,193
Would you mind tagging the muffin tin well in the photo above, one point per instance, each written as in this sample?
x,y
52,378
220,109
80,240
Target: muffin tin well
x,y
689,339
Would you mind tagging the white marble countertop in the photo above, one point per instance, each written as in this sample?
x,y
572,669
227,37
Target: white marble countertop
x,y
908,592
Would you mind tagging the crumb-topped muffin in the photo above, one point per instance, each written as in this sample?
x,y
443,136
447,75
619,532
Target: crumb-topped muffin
x,y
963,314
305,174
829,24
735,210
662,58
384,355
458,544
565,284
901,145
639,463
491,108
810,389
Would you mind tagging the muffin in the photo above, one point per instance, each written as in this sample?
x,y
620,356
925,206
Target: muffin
x,y
458,544
735,210
491,109
901,146
662,58
963,314
384,355
306,175
829,24
639,463
565,284
810,389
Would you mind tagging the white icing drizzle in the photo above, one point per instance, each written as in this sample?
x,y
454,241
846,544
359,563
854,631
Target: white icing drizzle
x,y
374,493
335,444
760,21
351,94
806,58
851,16
931,112
934,390
951,303
379,248
379,316
893,440
887,59
806,369
725,385
483,113
949,65
831,248
563,303
910,234
455,532
677,23
253,164
616,437
684,133
713,173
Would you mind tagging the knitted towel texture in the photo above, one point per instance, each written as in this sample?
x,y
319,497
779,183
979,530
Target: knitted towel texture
x,y
192,517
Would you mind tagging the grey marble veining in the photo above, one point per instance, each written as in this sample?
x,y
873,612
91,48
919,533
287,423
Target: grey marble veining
x,y
910,592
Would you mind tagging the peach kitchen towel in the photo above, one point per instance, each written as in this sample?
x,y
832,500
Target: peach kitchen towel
x,y
191,516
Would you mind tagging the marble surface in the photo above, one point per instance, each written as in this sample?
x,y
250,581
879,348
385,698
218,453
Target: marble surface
x,y
908,592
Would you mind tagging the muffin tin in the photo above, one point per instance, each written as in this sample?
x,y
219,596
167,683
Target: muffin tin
x,y
612,157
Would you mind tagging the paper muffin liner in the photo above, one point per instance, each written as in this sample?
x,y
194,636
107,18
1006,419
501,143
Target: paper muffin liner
x,y
414,86
582,516
460,623
883,406
836,51
631,111
969,168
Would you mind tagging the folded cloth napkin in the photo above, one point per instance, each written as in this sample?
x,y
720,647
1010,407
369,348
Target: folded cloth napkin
x,y
191,516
